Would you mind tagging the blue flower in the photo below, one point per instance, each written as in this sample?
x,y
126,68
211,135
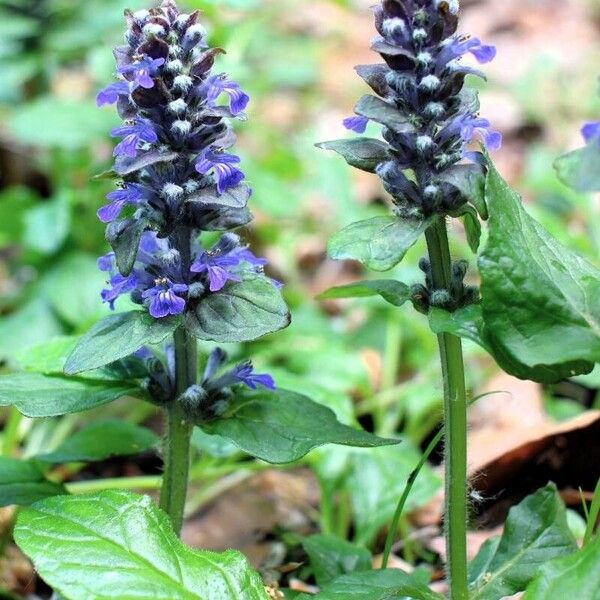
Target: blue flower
x,y
142,71
164,299
110,94
245,374
133,132
357,124
468,126
119,285
131,193
591,131
459,46
215,85
219,261
226,174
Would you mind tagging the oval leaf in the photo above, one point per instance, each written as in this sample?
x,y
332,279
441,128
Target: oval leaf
x,y
282,426
118,336
240,312
362,153
22,482
394,292
540,301
37,395
379,243
380,111
116,544
101,440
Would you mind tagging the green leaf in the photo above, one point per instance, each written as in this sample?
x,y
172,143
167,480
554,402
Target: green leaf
x,y
575,576
47,225
472,228
535,532
240,312
124,238
47,357
22,482
468,323
480,565
377,479
580,169
541,301
37,395
116,544
362,153
380,111
383,584
125,165
332,556
101,440
282,426
394,292
118,336
379,243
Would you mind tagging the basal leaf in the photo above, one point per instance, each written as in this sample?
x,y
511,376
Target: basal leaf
x,y
37,395
118,336
101,440
379,243
574,576
541,301
580,169
362,153
282,426
332,556
382,584
240,312
535,532
22,482
116,544
394,292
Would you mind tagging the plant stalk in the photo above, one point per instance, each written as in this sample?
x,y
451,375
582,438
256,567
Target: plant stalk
x,y
455,423
176,449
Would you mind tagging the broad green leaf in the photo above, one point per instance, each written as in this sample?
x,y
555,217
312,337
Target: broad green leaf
x,y
37,395
240,312
47,225
469,180
468,323
394,292
101,440
541,301
377,479
213,445
580,169
116,544
379,243
479,566
331,556
383,112
382,584
118,336
282,426
535,532
362,153
574,576
22,482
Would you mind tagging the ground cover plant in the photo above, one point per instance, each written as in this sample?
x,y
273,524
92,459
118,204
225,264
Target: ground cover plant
x,y
134,412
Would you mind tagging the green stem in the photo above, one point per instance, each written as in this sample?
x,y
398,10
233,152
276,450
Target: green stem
x,y
178,433
455,422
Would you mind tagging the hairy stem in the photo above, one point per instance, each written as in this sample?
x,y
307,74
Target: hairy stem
x,y
176,450
455,422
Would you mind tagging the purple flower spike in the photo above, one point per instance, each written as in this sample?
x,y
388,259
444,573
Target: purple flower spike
x,y
591,131
216,267
132,193
164,299
226,174
244,373
143,71
357,124
110,94
133,132
216,85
